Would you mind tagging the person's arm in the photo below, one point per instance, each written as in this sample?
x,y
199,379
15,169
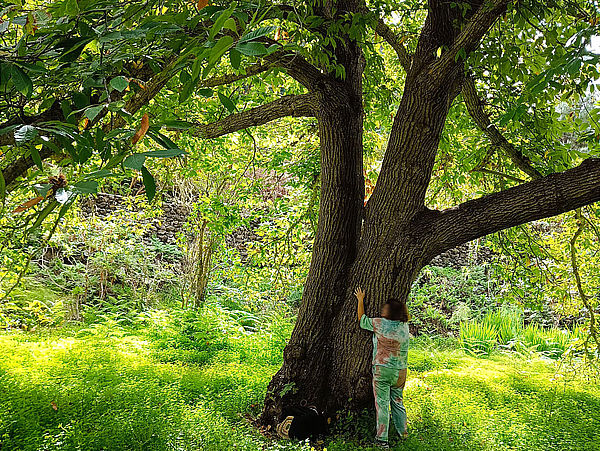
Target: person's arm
x,y
360,295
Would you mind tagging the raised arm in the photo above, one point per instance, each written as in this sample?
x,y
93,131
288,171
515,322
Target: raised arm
x,y
360,295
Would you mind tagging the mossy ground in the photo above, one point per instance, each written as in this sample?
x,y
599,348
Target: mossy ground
x,y
110,388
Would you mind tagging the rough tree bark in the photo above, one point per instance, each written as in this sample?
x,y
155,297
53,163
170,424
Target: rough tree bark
x,y
384,246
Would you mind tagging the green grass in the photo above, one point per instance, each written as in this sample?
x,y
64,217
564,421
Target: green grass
x,y
113,389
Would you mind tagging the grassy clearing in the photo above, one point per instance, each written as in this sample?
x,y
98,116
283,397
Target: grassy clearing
x,y
111,387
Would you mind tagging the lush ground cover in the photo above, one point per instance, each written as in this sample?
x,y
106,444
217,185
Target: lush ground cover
x,y
185,380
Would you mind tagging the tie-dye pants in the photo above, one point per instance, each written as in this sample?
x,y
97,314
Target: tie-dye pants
x,y
388,384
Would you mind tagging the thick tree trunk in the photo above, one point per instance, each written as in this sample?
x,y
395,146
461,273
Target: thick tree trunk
x,y
383,248
327,361
308,355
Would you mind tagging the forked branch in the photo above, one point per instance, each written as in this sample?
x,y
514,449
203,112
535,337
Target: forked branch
x,y
468,39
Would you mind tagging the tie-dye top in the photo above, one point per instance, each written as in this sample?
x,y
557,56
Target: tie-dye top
x,y
390,341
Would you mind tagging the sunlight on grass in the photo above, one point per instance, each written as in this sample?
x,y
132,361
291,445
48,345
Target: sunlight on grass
x,y
106,392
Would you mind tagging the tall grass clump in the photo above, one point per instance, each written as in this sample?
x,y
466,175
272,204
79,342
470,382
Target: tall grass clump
x,y
548,342
478,338
508,323
504,328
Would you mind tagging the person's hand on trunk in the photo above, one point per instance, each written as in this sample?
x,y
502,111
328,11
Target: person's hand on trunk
x,y
359,293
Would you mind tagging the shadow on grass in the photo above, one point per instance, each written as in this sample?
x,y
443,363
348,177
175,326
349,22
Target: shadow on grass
x,y
110,393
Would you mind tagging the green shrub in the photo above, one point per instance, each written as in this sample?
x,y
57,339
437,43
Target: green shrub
x,y
191,336
28,308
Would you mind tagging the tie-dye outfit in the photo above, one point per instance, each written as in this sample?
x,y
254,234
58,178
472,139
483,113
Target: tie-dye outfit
x,y
390,355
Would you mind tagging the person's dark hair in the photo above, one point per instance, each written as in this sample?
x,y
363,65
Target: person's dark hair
x,y
395,310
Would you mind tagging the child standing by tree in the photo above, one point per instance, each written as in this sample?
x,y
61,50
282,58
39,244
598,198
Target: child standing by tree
x,y
390,353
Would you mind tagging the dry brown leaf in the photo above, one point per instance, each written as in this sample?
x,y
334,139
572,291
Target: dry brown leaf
x,y
54,406
201,3
145,124
27,205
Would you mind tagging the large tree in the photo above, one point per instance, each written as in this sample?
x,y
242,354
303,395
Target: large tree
x,y
535,51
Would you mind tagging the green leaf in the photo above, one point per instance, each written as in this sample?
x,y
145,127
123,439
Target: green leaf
x,y
42,188
196,68
187,90
69,8
178,125
219,49
73,48
101,173
258,33
119,83
460,54
25,133
235,58
573,67
92,112
135,161
21,81
206,92
230,25
149,183
44,214
10,128
86,186
220,22
251,48
164,153
35,156
227,103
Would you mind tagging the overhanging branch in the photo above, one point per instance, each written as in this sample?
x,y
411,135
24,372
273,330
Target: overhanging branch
x,y
132,106
395,42
297,67
294,105
538,199
476,111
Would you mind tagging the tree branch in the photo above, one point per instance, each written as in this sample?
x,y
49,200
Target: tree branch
x,y
499,174
468,39
297,67
226,79
392,39
476,111
296,106
538,199
140,98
